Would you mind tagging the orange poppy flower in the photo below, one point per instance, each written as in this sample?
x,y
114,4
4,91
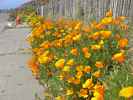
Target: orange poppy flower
x,y
124,26
97,96
117,36
48,23
97,74
83,93
70,79
116,21
87,69
85,50
100,26
122,18
76,81
86,29
78,25
123,43
33,65
109,13
93,24
119,57
87,55
99,64
99,88
37,31
74,51
106,34
45,45
49,73
88,84
94,36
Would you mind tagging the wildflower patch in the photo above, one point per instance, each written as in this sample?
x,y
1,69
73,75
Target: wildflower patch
x,y
74,59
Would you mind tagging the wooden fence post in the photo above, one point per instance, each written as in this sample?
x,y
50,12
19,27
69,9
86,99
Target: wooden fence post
x,y
86,9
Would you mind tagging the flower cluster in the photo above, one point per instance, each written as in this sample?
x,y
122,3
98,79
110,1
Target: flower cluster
x,y
77,56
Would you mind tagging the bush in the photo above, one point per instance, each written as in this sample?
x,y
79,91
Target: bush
x,y
74,60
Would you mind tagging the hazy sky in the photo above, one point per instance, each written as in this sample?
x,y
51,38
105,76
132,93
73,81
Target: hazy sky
x,y
4,4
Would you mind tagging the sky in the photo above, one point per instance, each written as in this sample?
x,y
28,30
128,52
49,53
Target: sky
x,y
6,4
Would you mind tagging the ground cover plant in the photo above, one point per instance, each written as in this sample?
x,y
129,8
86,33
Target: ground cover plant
x,y
77,61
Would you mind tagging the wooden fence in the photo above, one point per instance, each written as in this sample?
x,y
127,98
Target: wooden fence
x,y
86,9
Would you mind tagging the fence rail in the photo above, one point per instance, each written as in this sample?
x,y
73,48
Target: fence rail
x,y
86,9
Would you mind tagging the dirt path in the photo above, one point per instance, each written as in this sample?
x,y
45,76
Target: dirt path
x,y
16,81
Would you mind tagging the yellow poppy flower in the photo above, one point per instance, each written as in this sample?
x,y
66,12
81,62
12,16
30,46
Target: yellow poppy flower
x,y
96,47
62,30
107,20
77,37
59,98
94,98
46,53
79,74
78,25
126,92
61,76
88,84
79,68
101,43
97,96
66,68
69,92
70,62
43,59
60,63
